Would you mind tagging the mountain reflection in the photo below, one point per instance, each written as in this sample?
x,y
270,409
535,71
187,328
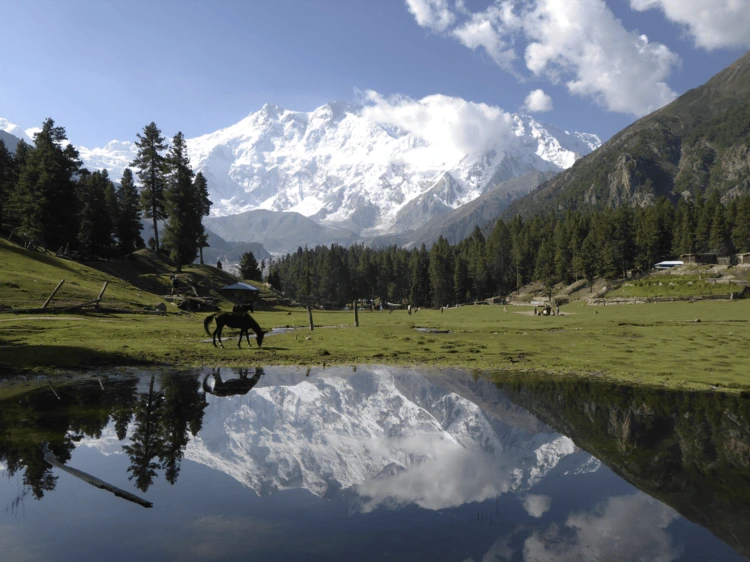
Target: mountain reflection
x,y
508,463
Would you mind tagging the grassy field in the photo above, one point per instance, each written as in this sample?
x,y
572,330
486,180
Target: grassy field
x,y
673,286
654,344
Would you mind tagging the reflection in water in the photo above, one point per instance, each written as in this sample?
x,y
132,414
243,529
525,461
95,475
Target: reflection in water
x,y
380,462
689,450
161,420
234,387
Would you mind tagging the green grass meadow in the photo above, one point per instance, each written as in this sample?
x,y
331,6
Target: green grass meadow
x,y
655,344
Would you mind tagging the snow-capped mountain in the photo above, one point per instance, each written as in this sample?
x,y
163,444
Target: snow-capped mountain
x,y
16,131
348,166
338,165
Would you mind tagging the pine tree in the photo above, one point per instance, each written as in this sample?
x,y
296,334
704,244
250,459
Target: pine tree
x,y
718,240
128,224
181,205
741,230
461,281
151,169
545,265
249,267
204,206
45,202
420,277
441,273
96,224
7,181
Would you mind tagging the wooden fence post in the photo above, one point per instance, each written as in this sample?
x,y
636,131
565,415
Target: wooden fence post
x,y
60,284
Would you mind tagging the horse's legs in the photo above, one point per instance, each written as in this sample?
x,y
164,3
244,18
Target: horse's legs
x,y
239,340
247,336
214,334
217,333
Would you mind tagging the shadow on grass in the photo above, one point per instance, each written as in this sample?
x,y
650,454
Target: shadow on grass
x,y
25,357
37,256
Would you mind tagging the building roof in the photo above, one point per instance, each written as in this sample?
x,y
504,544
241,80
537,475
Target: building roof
x,y
240,287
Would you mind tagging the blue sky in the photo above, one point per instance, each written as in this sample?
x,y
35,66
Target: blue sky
x,y
104,69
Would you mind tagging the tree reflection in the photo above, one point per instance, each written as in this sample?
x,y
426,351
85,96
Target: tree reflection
x,y
690,450
183,408
161,420
146,442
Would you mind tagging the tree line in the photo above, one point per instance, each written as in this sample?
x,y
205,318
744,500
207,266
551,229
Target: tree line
x,y
552,248
46,196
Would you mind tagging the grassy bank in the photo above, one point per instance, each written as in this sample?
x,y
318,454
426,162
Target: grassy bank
x,y
658,344
654,344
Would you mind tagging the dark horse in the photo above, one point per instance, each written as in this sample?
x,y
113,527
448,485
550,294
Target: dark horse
x,y
232,387
241,320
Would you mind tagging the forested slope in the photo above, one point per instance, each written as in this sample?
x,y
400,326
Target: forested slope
x,y
697,144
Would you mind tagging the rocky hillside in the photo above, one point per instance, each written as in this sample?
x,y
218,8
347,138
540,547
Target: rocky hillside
x,y
699,142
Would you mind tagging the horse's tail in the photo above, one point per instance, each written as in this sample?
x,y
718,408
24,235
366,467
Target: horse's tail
x,y
207,322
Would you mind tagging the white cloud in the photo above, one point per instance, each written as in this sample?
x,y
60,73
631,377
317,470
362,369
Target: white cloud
x,y
433,14
481,31
623,528
622,71
536,505
537,101
450,127
713,24
31,131
578,42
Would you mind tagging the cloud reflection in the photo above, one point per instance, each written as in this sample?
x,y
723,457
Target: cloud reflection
x,y
621,528
536,505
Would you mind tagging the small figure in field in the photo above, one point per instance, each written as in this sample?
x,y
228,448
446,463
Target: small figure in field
x,y
408,309
390,310
243,308
218,265
535,314
175,284
557,310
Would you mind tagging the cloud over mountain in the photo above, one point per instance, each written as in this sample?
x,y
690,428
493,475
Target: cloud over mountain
x,y
579,43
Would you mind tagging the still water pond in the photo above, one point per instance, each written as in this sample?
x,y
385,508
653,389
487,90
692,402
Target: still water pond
x,y
371,464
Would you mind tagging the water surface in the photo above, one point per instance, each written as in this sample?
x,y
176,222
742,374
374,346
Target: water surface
x,y
373,463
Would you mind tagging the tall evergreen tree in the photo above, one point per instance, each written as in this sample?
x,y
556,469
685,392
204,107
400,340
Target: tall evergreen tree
x,y
182,206
461,281
719,240
420,277
441,273
96,224
204,206
45,202
741,230
249,267
151,170
7,181
128,223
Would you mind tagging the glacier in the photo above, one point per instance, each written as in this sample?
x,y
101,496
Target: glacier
x,y
343,167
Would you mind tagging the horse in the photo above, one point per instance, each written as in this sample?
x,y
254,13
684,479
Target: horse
x,y
244,322
233,387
